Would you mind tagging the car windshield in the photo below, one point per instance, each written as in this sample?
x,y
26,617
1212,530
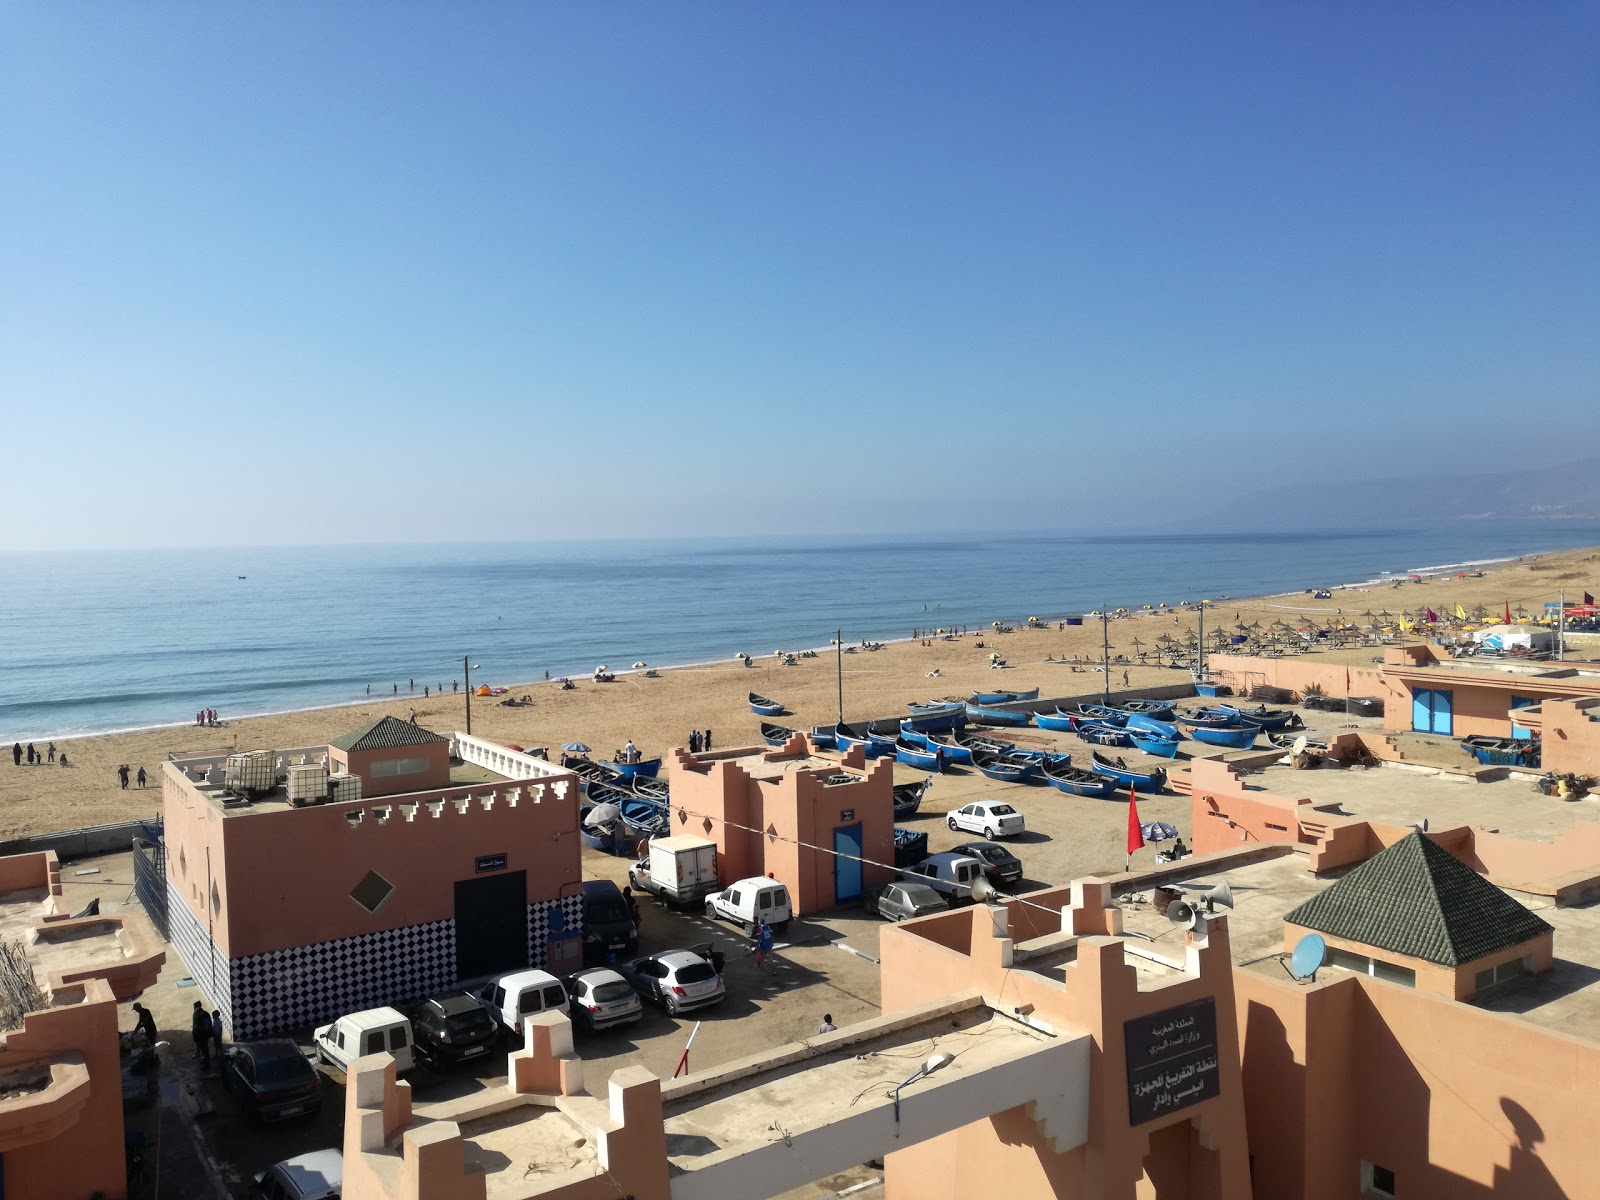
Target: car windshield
x,y
606,908
274,1071
695,973
1002,810
464,1024
615,990
991,853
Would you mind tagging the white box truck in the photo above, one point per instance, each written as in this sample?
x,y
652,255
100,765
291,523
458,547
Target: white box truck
x,y
680,870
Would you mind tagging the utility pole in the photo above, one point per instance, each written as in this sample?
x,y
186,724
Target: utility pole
x,y
1561,630
1105,652
466,672
838,651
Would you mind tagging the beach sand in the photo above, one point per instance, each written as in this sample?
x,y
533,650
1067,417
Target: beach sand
x,y
657,713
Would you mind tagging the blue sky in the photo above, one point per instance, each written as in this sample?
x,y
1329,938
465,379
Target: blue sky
x,y
310,273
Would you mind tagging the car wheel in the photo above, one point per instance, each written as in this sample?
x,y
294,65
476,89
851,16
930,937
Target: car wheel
x,y
672,1008
988,833
750,928
711,911
952,823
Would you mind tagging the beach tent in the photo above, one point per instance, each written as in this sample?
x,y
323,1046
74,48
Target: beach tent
x,y
1513,637
484,691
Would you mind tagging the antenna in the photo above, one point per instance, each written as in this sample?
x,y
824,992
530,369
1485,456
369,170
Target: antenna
x,y
1308,956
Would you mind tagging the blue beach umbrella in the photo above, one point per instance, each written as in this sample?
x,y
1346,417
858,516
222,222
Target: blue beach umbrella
x,y
1157,831
576,748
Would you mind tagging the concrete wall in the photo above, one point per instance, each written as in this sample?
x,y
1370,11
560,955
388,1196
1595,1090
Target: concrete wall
x,y
71,844
1460,1103
365,763
1243,672
1570,735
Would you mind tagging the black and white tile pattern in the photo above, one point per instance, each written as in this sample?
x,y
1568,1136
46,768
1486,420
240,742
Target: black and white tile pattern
x,y
539,924
208,966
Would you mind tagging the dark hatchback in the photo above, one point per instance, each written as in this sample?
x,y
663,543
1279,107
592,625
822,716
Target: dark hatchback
x,y
452,1028
275,1078
999,864
608,929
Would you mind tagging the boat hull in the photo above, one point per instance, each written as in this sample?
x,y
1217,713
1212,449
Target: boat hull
x,y
1236,738
980,715
647,768
1060,722
1081,783
1144,781
1154,743
919,757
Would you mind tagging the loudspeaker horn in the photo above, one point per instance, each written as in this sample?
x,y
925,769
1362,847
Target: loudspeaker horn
x,y
1221,894
982,890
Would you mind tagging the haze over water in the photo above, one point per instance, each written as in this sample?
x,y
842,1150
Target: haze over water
x,y
96,641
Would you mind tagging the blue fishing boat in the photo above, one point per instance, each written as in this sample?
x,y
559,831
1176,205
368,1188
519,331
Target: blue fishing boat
x,y
1002,697
645,818
645,768
996,716
1161,710
1140,722
1158,744
1216,715
650,789
1144,781
764,707
851,736
953,751
1236,737
1104,714
597,834
776,735
1265,718
1498,751
917,756
1100,734
824,737
1003,768
974,740
588,771
1059,721
1079,782
936,715
886,732
908,798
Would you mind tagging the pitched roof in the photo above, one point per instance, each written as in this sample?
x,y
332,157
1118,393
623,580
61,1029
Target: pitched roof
x,y
384,733
1418,899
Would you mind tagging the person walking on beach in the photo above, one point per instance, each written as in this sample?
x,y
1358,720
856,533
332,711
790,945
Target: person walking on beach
x,y
200,1028
142,777
122,774
705,741
50,752
413,716
16,754
32,754
369,689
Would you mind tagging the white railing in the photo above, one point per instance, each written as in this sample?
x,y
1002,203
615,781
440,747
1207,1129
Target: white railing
x,y
503,760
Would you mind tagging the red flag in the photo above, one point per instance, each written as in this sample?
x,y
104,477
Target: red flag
x,y
1508,612
1347,681
1433,617
1135,837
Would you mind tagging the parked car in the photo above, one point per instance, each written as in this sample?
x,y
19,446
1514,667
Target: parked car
x,y
951,875
992,818
749,901
680,870
608,928
521,994
372,1031
315,1176
601,998
678,980
277,1081
901,901
999,864
452,1028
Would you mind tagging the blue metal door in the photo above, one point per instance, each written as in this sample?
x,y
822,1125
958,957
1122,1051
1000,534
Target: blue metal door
x,y
1443,714
1431,711
847,863
1517,731
1422,711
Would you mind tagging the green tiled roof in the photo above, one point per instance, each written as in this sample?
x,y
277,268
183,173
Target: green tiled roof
x,y
1418,899
385,733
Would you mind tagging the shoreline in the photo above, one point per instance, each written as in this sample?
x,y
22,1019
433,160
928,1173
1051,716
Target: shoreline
x,y
1444,570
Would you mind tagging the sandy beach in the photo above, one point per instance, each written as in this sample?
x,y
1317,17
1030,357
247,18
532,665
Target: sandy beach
x,y
659,712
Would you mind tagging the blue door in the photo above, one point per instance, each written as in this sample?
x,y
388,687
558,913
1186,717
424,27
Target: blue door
x,y
847,863
1431,711
1517,731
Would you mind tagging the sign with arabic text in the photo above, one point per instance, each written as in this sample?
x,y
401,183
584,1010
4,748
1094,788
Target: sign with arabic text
x,y
1172,1060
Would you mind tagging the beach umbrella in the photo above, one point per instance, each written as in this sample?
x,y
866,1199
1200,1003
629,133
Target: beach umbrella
x,y
639,666
561,679
576,748
1157,831
601,814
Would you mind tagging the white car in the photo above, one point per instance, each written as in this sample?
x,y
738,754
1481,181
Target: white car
x,y
992,818
601,998
678,980
751,900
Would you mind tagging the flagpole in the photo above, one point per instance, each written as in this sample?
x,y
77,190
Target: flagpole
x,y
1561,629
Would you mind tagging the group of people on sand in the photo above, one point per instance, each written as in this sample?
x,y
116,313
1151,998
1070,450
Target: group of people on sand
x,y
37,757
699,742
122,776
207,717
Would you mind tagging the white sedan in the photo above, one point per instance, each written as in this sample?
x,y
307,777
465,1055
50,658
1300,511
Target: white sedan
x,y
991,818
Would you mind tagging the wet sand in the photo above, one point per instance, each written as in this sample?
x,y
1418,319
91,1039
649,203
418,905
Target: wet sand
x,y
659,712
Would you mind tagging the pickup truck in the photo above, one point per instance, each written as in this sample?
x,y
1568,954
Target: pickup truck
x,y
901,901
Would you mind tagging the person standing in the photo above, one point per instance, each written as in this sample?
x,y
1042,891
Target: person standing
x,y
397,689
147,1023
216,1033
16,754
705,742
50,752
200,1028
694,741
122,775
827,1025
142,777
413,716
630,752
763,941
413,685
424,691
32,754
369,689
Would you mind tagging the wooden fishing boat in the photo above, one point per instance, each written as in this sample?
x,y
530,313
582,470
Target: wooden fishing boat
x,y
1144,781
776,735
1059,721
650,789
1138,722
1098,733
1158,744
954,752
850,736
764,707
936,715
1498,751
908,798
1264,717
885,731
601,837
1104,714
645,768
824,737
1235,737
980,715
1079,782
975,741
921,757
1003,768
645,818
1003,697
588,771
1161,710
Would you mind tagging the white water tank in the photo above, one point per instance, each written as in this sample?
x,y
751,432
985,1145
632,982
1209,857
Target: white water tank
x,y
344,789
250,774
308,784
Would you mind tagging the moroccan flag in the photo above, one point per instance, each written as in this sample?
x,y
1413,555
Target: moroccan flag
x,y
1433,617
1135,837
1588,600
1508,612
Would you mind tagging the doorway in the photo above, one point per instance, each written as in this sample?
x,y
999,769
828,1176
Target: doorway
x,y
491,925
1431,710
847,863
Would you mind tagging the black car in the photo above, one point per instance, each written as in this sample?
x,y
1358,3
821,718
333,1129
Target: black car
x,y
277,1080
608,929
452,1028
1000,866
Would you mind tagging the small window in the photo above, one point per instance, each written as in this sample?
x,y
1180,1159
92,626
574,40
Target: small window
x,y
397,1038
1377,1181
769,899
500,997
733,897
338,1038
372,891
528,1002
554,997
375,1042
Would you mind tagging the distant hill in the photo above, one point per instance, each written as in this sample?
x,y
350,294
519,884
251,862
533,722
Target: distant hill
x,y
1569,491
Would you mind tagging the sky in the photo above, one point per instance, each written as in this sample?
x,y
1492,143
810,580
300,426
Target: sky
x,y
302,273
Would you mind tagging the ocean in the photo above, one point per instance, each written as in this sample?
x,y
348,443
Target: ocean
x,y
112,640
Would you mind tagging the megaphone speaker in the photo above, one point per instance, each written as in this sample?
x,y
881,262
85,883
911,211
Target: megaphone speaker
x,y
1221,894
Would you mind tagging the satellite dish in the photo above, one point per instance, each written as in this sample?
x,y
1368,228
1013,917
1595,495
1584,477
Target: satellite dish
x,y
982,890
1421,826
1308,955
1299,745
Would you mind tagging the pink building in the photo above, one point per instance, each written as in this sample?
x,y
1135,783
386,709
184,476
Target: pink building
x,y
289,912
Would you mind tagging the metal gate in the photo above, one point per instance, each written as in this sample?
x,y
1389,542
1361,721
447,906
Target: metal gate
x,y
150,881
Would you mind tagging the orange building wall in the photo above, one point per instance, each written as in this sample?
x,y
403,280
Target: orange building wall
x,y
360,762
1458,1102
1243,672
1570,732
192,831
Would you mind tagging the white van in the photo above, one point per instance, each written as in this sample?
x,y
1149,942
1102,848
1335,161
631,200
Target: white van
x,y
750,900
375,1031
520,994
951,874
